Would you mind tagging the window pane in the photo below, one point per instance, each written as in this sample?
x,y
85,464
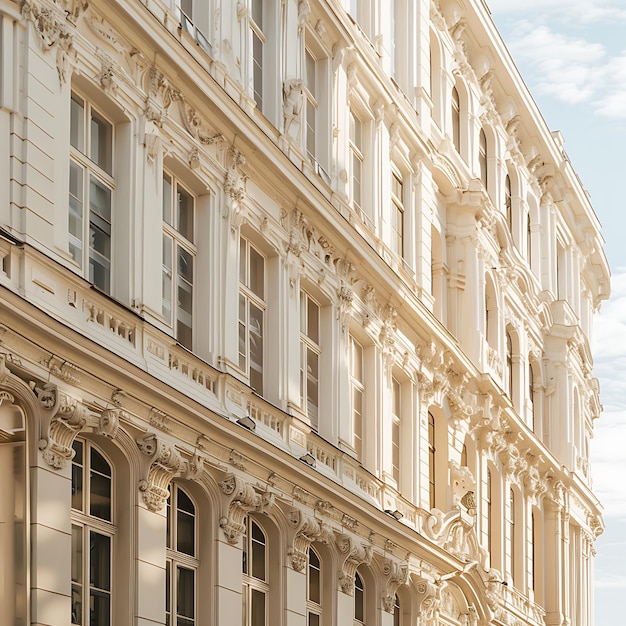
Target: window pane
x,y
167,199
256,278
185,594
75,226
77,575
314,619
168,601
101,142
258,552
184,312
77,121
167,279
185,214
314,577
312,388
100,561
257,609
77,476
359,598
185,524
313,318
256,348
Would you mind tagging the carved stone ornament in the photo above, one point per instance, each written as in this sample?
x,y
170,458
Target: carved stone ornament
x,y
197,127
165,463
54,33
293,100
109,422
461,481
355,554
307,530
241,498
68,421
161,94
234,187
396,575
426,596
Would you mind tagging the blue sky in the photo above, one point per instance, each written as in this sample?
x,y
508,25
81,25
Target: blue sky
x,y
572,56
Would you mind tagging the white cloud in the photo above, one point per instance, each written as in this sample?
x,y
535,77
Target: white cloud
x,y
580,11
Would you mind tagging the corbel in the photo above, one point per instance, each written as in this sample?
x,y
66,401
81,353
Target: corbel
x,y
164,464
306,530
355,554
396,574
240,499
425,595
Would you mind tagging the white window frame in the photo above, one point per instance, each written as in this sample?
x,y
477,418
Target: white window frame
x,y
309,346
396,428
83,222
357,160
313,608
397,217
252,584
172,279
357,391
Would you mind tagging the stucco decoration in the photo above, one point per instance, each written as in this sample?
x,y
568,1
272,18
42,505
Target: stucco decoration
x,y
461,481
234,187
396,574
164,464
355,553
293,99
68,420
55,34
161,94
426,596
306,530
109,422
240,498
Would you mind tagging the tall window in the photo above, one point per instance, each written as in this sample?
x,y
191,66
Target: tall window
x,y
482,157
456,119
490,538
309,355
397,611
432,458
397,214
251,312
356,160
531,395
258,41
533,553
311,104
92,536
509,364
359,599
182,564
529,240
255,575
91,191
508,204
395,429
512,538
179,254
314,589
357,390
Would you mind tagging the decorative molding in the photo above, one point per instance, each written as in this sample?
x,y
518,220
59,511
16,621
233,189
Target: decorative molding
x,y
307,530
165,463
396,574
426,597
355,554
109,422
234,187
293,101
241,498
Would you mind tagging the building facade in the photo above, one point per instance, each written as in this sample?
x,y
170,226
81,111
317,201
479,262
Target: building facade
x,y
295,307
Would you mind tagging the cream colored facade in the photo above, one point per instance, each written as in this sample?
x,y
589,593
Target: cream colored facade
x,y
295,306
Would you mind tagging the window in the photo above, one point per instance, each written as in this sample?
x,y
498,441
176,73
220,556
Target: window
x,y
533,553
258,38
509,364
456,119
482,157
251,312
255,575
91,188
432,459
359,599
395,429
182,564
490,538
314,589
397,214
357,391
179,255
508,205
311,104
309,356
397,611
92,536
512,537
356,160
529,240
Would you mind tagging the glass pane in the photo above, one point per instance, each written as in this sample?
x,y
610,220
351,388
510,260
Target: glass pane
x,y
314,619
185,525
99,487
257,609
256,336
168,601
77,476
185,213
100,202
357,361
185,593
101,142
313,315
100,561
99,609
77,554
184,313
257,265
77,121
167,199
312,391
359,599
258,552
314,577
75,225
167,279
243,261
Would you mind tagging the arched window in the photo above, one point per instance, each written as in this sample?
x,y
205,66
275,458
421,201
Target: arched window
x,y
314,589
255,575
482,158
93,535
455,105
182,564
359,599
397,612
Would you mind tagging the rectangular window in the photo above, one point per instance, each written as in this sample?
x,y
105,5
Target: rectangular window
x,y
395,429
357,391
356,160
311,104
179,255
397,214
309,356
91,187
258,41
431,460
251,312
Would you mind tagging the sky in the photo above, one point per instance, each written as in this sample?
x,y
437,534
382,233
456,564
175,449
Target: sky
x,y
572,56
